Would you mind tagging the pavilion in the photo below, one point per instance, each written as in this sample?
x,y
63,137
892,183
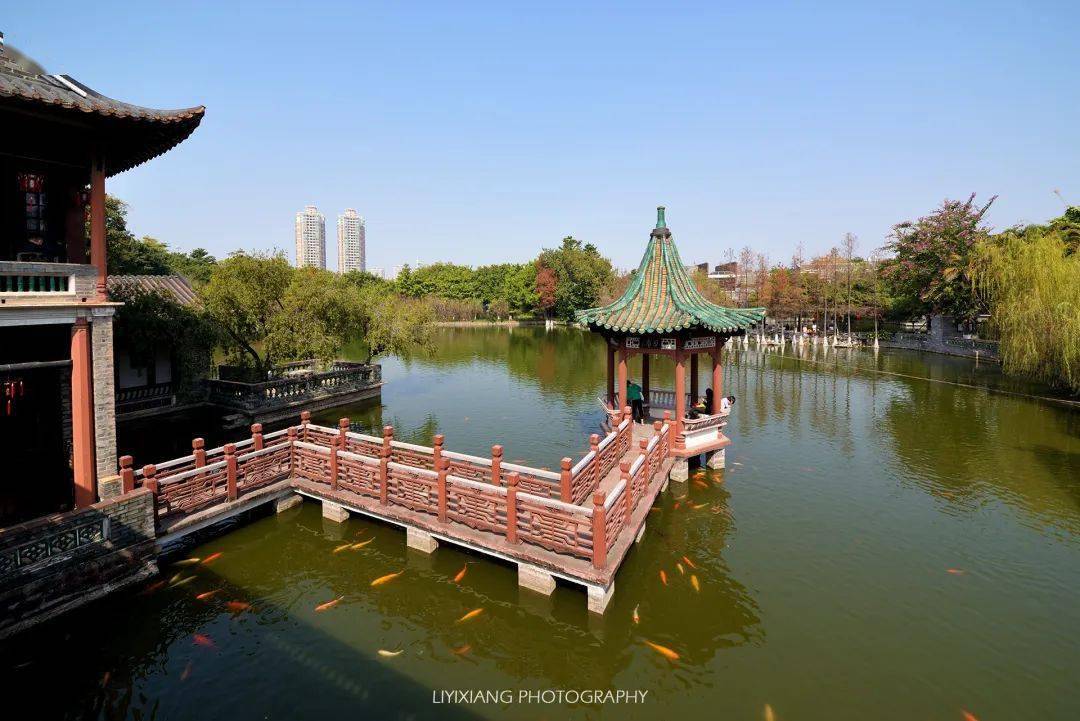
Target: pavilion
x,y
662,313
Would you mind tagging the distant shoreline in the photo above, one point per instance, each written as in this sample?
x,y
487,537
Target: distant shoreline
x,y
491,323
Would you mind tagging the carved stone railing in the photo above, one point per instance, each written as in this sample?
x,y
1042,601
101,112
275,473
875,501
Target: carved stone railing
x,y
130,400
342,378
46,281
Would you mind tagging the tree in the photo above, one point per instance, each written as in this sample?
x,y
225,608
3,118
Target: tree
x,y
546,289
319,313
1031,279
850,242
931,267
243,296
396,325
581,276
128,255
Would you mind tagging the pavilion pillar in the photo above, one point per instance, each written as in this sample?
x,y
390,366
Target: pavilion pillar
x,y
680,392
623,401
717,380
97,224
609,392
82,415
645,378
693,377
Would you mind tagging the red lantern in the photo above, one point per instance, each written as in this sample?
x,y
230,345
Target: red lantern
x,y
31,182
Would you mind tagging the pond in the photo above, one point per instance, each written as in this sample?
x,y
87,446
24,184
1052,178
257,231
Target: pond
x,y
896,536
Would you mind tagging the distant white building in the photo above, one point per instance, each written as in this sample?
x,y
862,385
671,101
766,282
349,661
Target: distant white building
x,y
377,272
350,242
310,238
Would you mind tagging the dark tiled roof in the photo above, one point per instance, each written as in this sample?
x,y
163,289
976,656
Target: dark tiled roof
x,y
174,286
148,132
662,298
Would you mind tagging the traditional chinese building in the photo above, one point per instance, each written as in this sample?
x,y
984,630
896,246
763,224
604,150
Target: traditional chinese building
x,y
663,315
61,141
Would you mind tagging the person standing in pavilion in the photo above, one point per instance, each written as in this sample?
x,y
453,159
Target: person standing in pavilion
x,y
637,406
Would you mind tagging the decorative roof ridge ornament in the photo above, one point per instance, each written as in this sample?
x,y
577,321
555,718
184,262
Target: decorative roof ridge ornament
x,y
660,222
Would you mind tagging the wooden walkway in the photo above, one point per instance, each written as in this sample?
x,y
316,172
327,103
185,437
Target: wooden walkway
x,y
577,525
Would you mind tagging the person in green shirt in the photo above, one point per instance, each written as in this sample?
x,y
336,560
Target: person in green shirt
x,y
637,406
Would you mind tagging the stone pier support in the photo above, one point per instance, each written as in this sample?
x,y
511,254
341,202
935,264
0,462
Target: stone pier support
x,y
535,579
283,504
599,598
334,512
680,471
716,460
640,534
420,540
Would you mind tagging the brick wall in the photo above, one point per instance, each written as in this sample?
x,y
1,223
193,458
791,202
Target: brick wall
x,y
55,563
101,339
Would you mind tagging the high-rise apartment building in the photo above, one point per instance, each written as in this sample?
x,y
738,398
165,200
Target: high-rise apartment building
x,y
350,242
310,238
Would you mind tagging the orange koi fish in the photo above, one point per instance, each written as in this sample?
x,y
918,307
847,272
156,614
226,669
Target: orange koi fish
x,y
462,650
663,576
186,672
663,651
201,640
700,484
358,546
328,605
105,678
186,562
237,606
699,506
213,557
157,585
182,582
955,571
654,510
681,571
208,594
390,654
676,507
968,716
688,562
470,615
694,583
386,579
637,618
339,549
769,716
461,574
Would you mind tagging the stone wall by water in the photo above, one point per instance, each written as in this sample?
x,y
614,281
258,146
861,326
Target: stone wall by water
x,y
943,337
52,564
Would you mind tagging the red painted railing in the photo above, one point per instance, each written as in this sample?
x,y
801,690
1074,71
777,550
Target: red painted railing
x,y
567,512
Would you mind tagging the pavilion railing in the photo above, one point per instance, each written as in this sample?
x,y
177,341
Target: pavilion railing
x,y
518,503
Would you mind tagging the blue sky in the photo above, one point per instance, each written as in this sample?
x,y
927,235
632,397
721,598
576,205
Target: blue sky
x,y
480,132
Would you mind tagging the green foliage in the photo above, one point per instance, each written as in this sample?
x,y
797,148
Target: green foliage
x,y
460,292
396,325
149,321
1032,278
128,255
931,270
243,296
320,312
581,274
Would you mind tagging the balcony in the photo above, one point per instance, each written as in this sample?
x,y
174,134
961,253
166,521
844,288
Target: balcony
x,y
40,283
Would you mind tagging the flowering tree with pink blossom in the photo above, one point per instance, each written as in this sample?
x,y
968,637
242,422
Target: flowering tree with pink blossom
x,y
931,267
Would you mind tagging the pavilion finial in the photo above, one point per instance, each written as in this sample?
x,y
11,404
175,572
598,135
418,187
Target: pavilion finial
x,y
660,222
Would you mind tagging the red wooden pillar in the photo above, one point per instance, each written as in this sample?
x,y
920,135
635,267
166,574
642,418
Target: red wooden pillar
x,y
343,430
305,421
645,378
82,415
680,392
694,378
717,380
599,530
511,507
443,466
334,463
594,448
256,436
436,451
609,392
97,224
623,401
496,464
198,449
291,435
127,474
566,480
230,471
384,464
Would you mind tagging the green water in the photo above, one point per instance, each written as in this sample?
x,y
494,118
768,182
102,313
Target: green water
x,y
823,554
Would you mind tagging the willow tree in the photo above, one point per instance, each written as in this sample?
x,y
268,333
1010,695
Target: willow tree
x,y
1032,282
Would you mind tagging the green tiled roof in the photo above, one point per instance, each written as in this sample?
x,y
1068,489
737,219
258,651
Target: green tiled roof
x,y
662,298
